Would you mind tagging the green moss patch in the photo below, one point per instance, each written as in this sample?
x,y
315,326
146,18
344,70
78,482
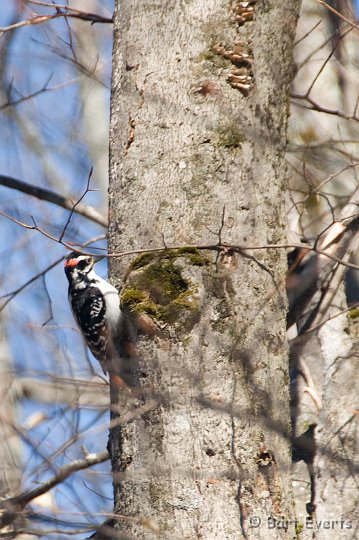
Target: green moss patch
x,y
353,313
138,301
157,287
193,255
142,260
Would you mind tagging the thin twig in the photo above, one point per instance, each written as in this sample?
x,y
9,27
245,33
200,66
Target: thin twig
x,y
69,13
52,197
338,14
222,225
9,296
14,505
220,236
76,205
57,6
135,414
237,248
319,108
45,88
308,33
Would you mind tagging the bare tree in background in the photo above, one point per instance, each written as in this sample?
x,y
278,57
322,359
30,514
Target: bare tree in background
x,y
198,136
324,209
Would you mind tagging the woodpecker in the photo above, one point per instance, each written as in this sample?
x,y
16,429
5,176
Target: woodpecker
x,y
96,307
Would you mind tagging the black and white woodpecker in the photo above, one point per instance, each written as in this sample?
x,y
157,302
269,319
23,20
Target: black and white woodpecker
x,y
95,304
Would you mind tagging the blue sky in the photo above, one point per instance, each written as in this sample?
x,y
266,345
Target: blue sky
x,y
44,143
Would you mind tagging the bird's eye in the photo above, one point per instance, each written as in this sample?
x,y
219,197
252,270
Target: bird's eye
x,y
81,265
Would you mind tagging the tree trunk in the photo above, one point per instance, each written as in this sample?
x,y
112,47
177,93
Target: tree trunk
x,y
199,117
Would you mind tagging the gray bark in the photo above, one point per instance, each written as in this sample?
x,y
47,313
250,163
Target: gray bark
x,y
185,143
336,462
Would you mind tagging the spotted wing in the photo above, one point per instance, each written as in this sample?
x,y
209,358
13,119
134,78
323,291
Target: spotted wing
x,y
89,308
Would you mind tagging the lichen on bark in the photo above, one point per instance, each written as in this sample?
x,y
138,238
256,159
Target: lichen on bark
x,y
156,286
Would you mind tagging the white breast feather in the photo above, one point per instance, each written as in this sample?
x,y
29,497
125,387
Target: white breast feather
x,y
113,312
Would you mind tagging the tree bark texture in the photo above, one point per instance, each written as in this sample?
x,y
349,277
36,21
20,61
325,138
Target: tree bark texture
x,y
198,135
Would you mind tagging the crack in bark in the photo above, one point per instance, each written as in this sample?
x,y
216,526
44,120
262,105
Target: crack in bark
x,y
131,134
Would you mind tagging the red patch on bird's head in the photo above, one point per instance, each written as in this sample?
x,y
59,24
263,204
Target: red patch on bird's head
x,y
70,262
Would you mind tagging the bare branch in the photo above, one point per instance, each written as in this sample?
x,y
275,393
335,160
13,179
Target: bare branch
x,y
12,506
15,292
308,33
55,198
74,392
134,414
224,246
15,504
353,306
338,14
56,6
316,107
44,88
68,12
